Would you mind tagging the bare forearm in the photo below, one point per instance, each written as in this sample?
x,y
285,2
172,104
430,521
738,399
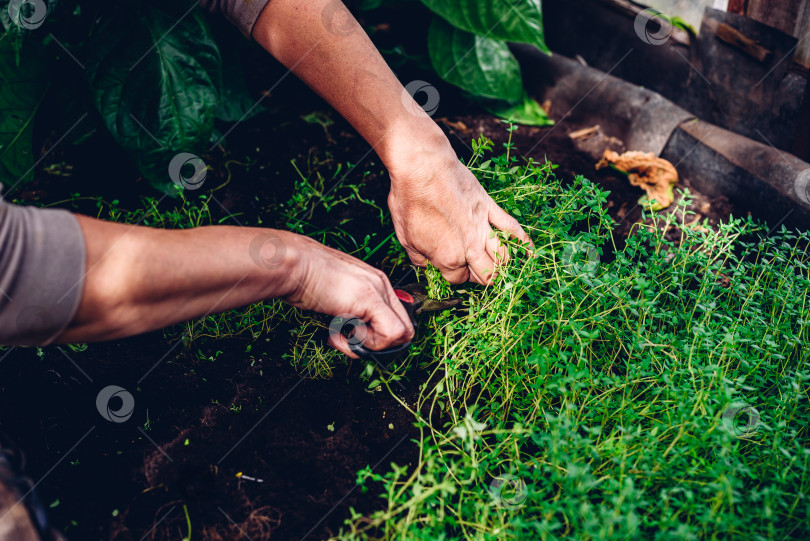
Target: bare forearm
x,y
330,52
440,211
140,279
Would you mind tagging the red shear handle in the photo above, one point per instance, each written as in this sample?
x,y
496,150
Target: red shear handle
x,y
405,297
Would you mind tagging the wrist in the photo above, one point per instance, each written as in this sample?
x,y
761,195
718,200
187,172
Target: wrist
x,y
276,255
415,149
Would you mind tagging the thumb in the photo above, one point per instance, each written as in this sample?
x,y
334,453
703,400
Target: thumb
x,y
508,224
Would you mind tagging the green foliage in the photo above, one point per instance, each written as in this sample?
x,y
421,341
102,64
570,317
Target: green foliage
x,y
505,20
527,112
678,22
480,65
14,33
153,74
23,82
602,393
155,79
467,47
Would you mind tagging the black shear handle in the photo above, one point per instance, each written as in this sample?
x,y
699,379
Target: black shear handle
x,y
411,305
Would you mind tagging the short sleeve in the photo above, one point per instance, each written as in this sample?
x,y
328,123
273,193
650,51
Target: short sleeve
x,y
42,267
242,13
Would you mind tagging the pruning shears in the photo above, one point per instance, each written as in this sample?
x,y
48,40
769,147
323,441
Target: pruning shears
x,y
415,300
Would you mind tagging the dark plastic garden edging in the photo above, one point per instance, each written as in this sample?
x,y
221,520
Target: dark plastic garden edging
x,y
770,183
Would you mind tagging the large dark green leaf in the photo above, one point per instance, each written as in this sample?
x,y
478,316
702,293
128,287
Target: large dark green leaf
x,y
19,19
510,20
155,78
480,65
21,91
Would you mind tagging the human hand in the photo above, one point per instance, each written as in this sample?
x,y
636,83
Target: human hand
x,y
442,214
334,283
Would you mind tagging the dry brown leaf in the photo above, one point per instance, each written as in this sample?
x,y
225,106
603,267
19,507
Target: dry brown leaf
x,y
654,175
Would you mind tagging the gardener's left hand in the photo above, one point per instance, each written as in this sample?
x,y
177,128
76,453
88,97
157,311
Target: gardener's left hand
x,y
440,211
442,214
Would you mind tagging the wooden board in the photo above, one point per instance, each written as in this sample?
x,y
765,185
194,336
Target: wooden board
x,y
780,14
790,16
803,33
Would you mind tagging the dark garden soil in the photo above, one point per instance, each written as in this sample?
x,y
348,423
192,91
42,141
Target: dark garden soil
x,y
305,439
199,423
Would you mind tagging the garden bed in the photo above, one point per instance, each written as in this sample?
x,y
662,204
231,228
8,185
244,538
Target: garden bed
x,y
206,411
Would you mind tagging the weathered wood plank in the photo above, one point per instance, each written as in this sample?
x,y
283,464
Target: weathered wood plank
x,y
781,14
803,33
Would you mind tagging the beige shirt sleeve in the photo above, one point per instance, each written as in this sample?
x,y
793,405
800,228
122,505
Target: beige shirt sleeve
x,y
242,13
42,266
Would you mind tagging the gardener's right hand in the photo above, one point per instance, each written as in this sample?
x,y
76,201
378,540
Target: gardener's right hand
x,y
334,283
